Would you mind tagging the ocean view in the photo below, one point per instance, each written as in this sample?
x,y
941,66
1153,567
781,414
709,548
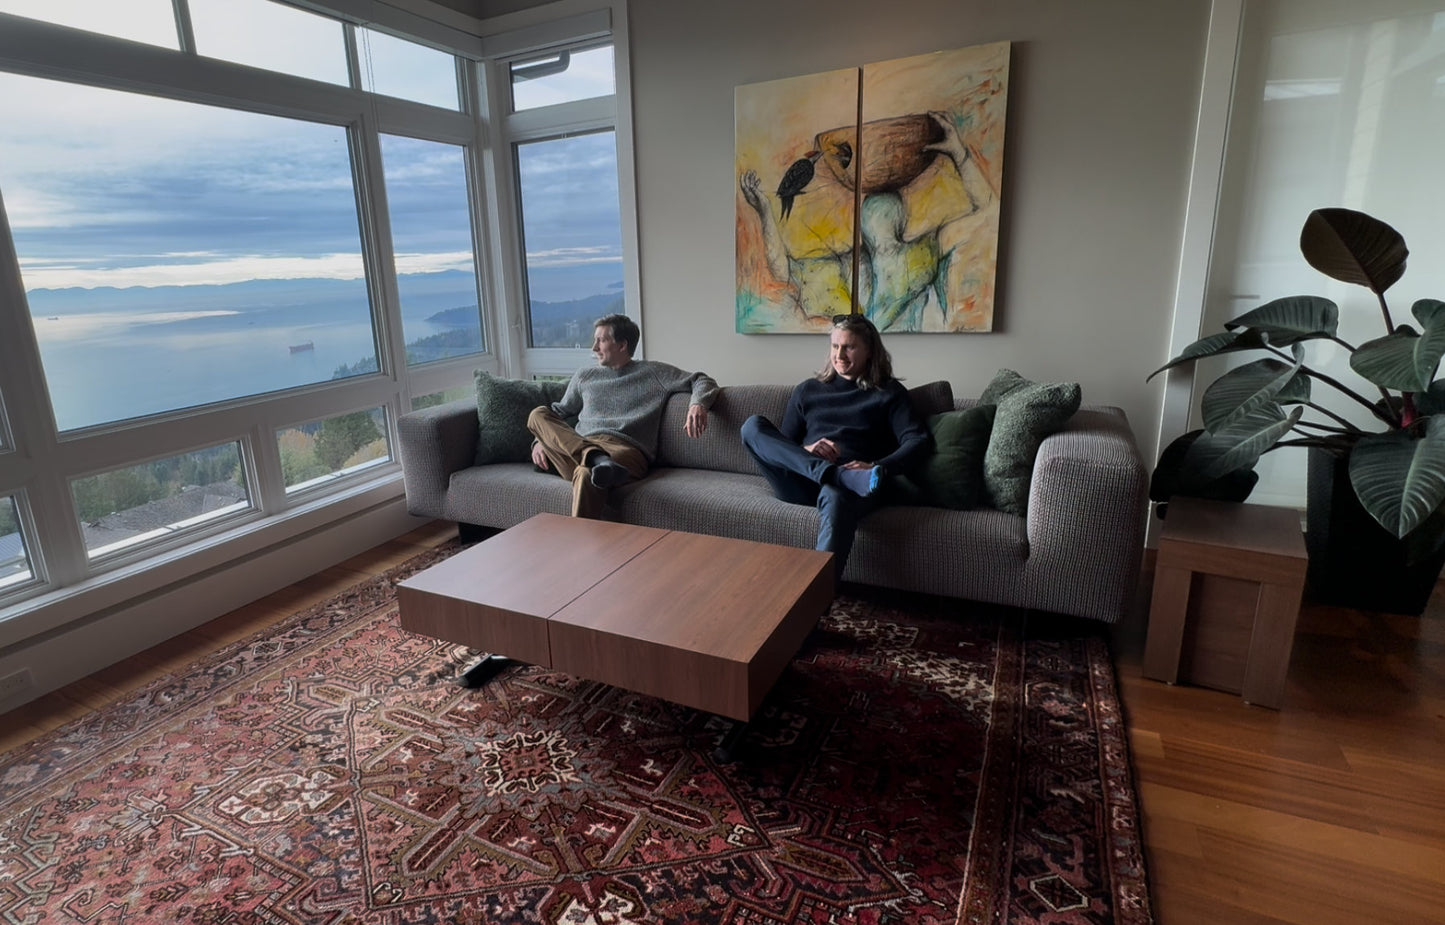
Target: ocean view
x,y
112,354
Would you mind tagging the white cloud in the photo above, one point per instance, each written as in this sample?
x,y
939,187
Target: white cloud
x,y
573,256
59,274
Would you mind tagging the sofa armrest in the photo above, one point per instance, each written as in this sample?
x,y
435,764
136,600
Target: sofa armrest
x,y
435,443
1087,515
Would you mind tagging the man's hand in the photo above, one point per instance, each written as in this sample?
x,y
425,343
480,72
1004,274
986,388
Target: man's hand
x,y
824,449
696,421
539,459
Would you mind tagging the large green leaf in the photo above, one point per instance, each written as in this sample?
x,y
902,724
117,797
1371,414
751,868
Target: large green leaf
x,y
1239,444
1290,319
1252,386
1400,479
1405,360
1213,345
1353,247
1402,361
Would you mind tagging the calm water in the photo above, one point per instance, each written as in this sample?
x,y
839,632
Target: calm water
x,y
118,354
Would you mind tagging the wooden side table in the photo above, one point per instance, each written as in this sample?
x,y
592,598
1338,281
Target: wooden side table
x,y
1227,589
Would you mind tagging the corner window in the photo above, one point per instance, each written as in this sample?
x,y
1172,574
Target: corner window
x,y
431,236
562,77
571,232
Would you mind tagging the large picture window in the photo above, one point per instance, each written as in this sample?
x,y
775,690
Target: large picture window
x,y
176,255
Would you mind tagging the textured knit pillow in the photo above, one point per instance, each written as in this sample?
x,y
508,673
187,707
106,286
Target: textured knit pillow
x,y
952,476
1027,413
502,409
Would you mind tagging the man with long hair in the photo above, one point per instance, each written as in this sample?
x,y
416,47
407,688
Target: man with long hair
x,y
844,431
618,405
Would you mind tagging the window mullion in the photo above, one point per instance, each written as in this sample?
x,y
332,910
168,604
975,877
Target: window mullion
x,y
503,214
377,248
185,32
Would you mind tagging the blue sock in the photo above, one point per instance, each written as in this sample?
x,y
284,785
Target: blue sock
x,y
861,482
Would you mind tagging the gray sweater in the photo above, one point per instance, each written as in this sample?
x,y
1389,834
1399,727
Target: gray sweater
x,y
628,402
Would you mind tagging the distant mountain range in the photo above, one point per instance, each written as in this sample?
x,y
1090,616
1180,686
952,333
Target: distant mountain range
x,y
420,292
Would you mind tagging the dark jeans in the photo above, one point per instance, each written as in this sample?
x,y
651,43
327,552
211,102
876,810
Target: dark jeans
x,y
797,477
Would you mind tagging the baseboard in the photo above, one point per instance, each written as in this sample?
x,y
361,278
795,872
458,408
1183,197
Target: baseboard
x,y
50,661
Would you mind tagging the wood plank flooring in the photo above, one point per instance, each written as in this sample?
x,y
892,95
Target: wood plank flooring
x,y
1331,810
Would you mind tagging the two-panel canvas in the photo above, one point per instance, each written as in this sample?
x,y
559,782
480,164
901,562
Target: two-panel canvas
x,y
872,189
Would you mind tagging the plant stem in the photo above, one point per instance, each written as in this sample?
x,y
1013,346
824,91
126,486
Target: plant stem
x,y
1348,428
1388,415
1385,311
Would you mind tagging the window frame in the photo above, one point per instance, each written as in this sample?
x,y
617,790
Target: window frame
x,y
37,462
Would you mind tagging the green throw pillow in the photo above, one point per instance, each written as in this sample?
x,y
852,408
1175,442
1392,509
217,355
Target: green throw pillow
x,y
502,409
1027,413
952,476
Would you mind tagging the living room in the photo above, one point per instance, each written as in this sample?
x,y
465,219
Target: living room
x,y
1117,124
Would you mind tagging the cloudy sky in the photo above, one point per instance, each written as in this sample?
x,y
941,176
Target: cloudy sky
x,y
108,188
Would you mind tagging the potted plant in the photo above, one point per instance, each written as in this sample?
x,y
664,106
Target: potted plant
x,y
1391,477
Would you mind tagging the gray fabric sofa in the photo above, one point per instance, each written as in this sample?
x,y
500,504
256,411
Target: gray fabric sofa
x,y
1076,552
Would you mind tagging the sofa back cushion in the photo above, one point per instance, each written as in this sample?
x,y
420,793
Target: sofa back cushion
x,y
721,445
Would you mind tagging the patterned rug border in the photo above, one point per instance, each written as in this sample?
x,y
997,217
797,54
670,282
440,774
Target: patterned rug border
x,y
985,892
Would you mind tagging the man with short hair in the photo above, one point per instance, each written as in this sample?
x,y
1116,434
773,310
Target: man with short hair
x,y
618,405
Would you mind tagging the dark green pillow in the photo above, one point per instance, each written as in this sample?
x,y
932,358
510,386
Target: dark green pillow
x,y
1004,382
1027,413
502,409
952,476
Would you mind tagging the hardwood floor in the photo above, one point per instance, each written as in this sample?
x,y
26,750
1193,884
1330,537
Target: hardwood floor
x,y
1330,810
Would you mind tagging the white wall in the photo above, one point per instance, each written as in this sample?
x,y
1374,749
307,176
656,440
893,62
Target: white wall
x,y
1103,98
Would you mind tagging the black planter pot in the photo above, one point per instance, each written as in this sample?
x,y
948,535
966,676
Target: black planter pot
x,y
1354,562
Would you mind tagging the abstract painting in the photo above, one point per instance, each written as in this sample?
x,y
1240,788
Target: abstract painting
x,y
875,190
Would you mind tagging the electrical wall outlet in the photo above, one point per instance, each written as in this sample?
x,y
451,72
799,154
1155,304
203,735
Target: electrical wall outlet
x,y
15,684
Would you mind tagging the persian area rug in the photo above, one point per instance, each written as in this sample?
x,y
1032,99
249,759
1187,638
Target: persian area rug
x,y
921,761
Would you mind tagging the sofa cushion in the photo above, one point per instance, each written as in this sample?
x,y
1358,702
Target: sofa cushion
x,y
502,409
1027,413
952,475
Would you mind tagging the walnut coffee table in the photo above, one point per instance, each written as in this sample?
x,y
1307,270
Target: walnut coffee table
x,y
703,621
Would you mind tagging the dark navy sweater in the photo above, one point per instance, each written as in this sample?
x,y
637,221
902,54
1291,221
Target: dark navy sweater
x,y
873,425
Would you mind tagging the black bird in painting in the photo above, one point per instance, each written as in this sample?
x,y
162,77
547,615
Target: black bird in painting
x,y
798,175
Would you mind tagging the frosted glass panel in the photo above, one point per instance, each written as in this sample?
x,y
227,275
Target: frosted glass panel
x,y
1334,106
